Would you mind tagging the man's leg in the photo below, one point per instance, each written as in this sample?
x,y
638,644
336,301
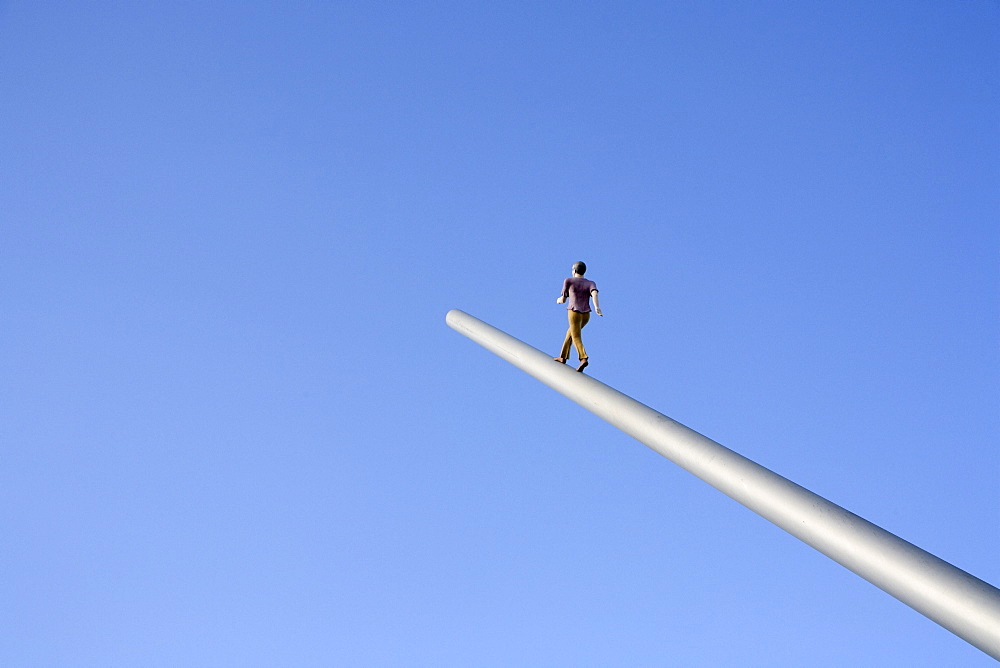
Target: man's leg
x,y
577,321
568,341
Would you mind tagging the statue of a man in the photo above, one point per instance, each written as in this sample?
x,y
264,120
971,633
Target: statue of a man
x,y
578,290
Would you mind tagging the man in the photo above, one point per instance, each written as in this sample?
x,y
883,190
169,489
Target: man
x,y
578,290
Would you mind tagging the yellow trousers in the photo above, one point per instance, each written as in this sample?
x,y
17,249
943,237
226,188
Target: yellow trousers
x,y
574,335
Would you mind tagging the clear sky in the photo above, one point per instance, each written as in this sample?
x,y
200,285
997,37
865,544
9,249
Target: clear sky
x,y
235,429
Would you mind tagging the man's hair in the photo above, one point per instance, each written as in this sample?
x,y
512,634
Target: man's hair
x,y
580,268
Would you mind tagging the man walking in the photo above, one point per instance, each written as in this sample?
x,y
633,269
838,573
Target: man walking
x,y
578,290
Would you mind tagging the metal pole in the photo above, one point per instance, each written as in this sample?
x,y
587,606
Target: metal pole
x,y
958,601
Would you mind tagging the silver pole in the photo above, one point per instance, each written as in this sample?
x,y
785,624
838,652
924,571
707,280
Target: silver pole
x,y
958,601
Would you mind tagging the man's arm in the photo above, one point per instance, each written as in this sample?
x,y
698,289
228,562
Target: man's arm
x,y
597,305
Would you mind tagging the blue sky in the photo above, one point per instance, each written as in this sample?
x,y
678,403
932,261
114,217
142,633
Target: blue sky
x,y
236,430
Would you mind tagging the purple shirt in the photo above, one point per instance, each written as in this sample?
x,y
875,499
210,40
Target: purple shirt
x,y
577,291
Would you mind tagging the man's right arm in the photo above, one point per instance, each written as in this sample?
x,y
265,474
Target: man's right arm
x,y
565,293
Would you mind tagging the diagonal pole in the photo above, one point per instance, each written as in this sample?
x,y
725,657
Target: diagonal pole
x,y
958,601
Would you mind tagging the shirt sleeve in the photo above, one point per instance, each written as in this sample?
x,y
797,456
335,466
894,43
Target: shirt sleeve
x,y
565,292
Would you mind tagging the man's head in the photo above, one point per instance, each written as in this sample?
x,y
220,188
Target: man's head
x,y
579,268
